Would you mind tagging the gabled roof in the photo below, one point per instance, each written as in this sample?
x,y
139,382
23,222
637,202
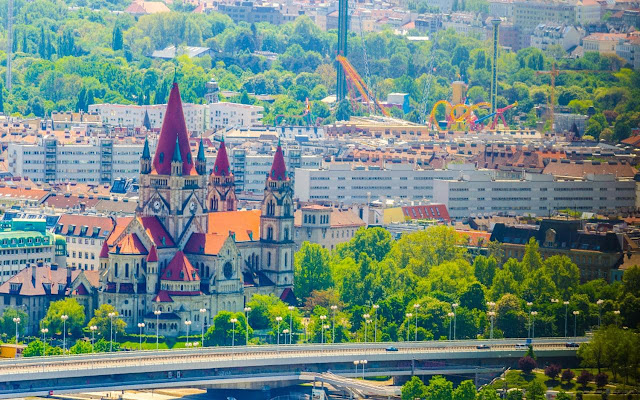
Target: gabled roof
x,y
104,252
131,244
47,281
153,255
221,167
156,232
180,269
121,225
278,170
88,226
174,130
203,243
163,297
244,224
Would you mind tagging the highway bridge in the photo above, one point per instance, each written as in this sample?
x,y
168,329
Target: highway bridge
x,y
253,367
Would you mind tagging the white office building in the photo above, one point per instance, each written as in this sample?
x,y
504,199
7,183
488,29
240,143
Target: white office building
x,y
132,116
353,183
98,161
535,194
233,115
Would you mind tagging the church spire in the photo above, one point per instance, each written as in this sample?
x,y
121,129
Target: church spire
x,y
176,160
201,161
278,169
221,167
145,160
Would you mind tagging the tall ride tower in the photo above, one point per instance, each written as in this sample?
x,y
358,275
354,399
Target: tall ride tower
x,y
9,43
343,26
494,69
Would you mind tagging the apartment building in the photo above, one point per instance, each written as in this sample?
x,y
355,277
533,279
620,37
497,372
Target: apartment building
x,y
84,235
232,115
535,194
588,12
546,35
353,183
603,43
133,116
326,226
629,50
501,8
98,161
528,14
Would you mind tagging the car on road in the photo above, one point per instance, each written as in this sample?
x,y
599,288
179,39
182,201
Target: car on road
x,y
483,346
521,346
572,344
392,348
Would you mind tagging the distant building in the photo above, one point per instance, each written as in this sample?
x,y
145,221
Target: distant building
x,y
546,35
68,120
84,235
501,8
588,12
233,115
428,23
528,14
139,8
170,52
326,226
629,50
134,116
603,43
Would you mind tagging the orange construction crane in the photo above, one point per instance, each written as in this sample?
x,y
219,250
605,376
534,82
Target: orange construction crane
x,y
355,81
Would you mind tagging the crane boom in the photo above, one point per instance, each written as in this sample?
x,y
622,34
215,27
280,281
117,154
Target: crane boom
x,y
357,82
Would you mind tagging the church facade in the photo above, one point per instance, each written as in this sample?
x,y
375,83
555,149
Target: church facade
x,y
189,253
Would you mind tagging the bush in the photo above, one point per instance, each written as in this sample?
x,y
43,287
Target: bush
x,y
584,378
527,364
552,371
567,375
601,380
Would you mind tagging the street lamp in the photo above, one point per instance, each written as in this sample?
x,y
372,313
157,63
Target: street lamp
x,y
533,323
157,314
599,303
202,317
575,323
278,319
290,308
375,322
566,313
188,324
529,304
17,322
366,325
617,314
450,315
93,329
363,362
286,332
415,307
455,317
141,326
233,333
409,315
247,310
64,318
322,318
44,341
333,333
111,315
356,362
492,315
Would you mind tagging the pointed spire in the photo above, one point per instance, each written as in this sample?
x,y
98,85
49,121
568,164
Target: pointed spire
x,y
146,153
221,167
278,169
104,252
153,255
177,157
146,122
201,151
174,130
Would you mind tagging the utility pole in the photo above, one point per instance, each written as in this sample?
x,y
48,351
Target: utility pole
x,y
9,43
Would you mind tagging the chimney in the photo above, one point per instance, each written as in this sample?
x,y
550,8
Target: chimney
x,y
33,275
68,276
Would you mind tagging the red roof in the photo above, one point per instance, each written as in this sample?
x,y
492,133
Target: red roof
x,y
153,255
221,167
430,211
244,224
173,129
81,290
278,169
163,297
156,231
180,269
121,225
202,243
131,244
104,253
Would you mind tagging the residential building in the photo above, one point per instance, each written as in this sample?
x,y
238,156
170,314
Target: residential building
x,y
233,115
528,14
134,116
597,255
603,43
501,8
429,23
588,12
326,226
629,50
84,235
535,194
422,212
546,35
25,242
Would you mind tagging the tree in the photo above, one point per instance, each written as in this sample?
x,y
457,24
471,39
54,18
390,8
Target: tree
x,y
439,388
488,393
527,364
221,333
413,389
8,327
74,323
343,111
567,375
104,346
552,371
536,390
485,269
466,390
116,41
601,380
562,395
584,378
473,297
81,347
311,270
102,320
35,348
514,395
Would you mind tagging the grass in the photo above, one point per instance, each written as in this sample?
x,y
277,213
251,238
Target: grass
x,y
145,345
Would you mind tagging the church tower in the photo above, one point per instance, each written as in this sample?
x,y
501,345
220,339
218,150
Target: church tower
x,y
172,187
276,225
222,195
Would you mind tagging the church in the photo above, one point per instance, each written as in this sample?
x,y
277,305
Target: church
x,y
189,252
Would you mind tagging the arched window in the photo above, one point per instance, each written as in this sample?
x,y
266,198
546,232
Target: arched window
x,y
126,270
286,259
268,259
229,204
271,208
287,209
269,233
115,270
286,233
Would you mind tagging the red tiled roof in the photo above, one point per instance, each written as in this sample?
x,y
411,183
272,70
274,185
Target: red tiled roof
x,y
23,193
476,236
81,290
54,280
180,269
153,255
104,252
121,225
221,167
245,224
156,231
278,168
202,243
429,211
582,169
173,130
163,297
78,221
70,202
131,244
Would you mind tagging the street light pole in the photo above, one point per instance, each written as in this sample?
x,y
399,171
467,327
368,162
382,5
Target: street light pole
x,y
157,314
409,315
566,314
141,326
93,337
247,310
617,314
322,318
17,321
233,335
599,303
44,341
111,315
333,333
366,325
278,319
202,318
64,318
188,324
491,314
356,362
450,315
363,362
290,308
455,315
533,323
575,323
529,304
415,332
375,322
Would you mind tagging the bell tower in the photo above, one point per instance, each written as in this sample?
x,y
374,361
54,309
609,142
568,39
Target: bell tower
x,y
276,225
221,195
